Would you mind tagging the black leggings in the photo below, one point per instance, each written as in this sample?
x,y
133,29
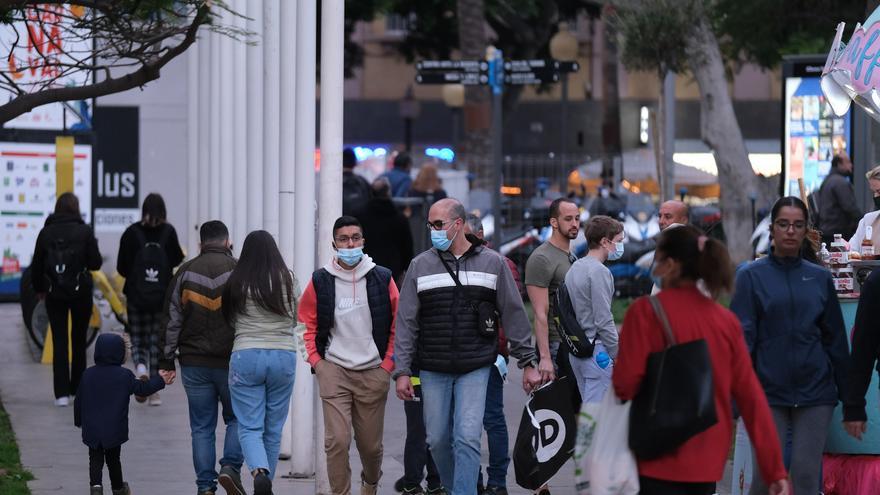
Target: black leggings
x,y
67,377
653,486
96,467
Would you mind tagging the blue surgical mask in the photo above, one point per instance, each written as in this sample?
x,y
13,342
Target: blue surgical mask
x,y
617,253
440,241
350,257
658,280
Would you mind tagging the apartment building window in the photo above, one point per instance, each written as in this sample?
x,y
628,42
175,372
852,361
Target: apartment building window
x,y
396,24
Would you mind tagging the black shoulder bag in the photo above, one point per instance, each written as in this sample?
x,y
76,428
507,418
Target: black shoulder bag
x,y
676,400
487,314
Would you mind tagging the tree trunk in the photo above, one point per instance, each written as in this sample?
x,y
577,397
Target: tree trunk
x,y
664,153
476,143
720,131
610,99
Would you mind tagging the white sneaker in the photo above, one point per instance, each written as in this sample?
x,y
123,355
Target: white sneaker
x,y
62,402
154,400
141,371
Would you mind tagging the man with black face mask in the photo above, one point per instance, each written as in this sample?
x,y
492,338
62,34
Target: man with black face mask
x,y
838,211
869,225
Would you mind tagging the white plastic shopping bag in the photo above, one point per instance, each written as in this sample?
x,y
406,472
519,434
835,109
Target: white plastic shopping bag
x,y
604,465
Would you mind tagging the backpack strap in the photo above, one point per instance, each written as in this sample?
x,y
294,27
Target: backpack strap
x,y
166,233
140,235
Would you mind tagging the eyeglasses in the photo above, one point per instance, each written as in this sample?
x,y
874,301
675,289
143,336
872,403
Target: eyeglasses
x,y
343,239
785,225
438,224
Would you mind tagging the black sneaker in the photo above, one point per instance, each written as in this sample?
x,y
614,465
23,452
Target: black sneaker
x,y
230,480
400,486
123,491
96,490
262,483
439,490
495,490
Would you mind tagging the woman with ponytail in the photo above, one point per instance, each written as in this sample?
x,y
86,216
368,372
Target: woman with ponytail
x,y
794,330
684,255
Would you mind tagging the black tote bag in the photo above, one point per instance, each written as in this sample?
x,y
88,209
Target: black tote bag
x,y
676,400
545,440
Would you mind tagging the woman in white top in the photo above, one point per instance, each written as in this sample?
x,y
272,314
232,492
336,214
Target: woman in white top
x,y
259,301
871,219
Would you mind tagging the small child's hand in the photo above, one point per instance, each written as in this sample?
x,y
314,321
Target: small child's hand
x,y
141,399
168,376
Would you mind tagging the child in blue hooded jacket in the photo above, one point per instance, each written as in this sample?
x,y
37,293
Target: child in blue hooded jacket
x,y
101,410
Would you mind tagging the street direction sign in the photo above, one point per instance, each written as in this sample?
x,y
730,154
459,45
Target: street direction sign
x,y
476,72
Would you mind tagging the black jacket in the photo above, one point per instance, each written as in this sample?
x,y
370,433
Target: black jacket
x,y
129,245
195,325
101,405
865,350
838,211
73,228
388,237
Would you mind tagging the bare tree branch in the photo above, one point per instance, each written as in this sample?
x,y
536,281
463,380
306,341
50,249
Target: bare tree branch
x,y
145,49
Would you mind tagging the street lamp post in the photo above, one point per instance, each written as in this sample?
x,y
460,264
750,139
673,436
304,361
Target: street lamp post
x,y
453,97
564,47
409,110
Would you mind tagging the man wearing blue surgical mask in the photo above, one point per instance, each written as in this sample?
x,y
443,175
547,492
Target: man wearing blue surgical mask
x,y
591,288
451,303
349,308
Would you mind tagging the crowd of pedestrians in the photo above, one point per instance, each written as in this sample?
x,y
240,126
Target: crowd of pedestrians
x,y
445,338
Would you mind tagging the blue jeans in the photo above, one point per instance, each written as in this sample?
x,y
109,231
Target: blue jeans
x,y
261,381
204,388
454,406
496,431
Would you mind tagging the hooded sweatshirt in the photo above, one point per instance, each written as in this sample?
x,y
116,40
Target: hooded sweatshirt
x,y
102,398
351,343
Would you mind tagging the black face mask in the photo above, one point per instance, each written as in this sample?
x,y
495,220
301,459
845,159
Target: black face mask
x,y
877,202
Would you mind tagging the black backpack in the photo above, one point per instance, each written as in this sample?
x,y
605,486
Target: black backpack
x,y
150,273
570,330
355,194
66,270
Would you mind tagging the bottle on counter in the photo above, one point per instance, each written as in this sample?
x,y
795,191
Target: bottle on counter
x,y
867,247
825,256
839,254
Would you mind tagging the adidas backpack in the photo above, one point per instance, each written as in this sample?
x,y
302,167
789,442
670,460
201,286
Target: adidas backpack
x,y
66,269
570,330
150,273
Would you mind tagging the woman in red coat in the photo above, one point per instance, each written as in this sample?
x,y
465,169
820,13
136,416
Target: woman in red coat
x,y
684,255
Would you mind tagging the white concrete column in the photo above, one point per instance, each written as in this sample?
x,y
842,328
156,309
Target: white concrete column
x,y
227,189
330,200
271,114
192,165
287,169
255,117
287,163
214,119
239,122
204,123
302,459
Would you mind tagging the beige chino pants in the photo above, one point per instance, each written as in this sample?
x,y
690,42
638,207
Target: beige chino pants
x,y
352,400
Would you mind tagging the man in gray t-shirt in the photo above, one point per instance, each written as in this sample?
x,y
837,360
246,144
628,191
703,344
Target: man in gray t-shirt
x,y
545,270
591,288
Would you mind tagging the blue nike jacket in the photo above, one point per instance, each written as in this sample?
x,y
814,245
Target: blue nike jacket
x,y
794,330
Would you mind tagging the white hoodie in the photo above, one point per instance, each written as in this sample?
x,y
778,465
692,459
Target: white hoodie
x,y
351,342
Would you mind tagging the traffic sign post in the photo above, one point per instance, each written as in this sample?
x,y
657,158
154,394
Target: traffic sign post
x,y
495,72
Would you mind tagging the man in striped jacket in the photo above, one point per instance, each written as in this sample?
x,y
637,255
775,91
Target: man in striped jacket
x,y
198,335
453,296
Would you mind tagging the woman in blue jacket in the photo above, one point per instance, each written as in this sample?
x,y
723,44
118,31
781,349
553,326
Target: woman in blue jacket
x,y
794,331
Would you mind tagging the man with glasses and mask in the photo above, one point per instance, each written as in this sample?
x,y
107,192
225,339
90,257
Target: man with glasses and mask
x,y
453,299
349,311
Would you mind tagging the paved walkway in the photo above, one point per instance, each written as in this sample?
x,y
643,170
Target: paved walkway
x,y
158,459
